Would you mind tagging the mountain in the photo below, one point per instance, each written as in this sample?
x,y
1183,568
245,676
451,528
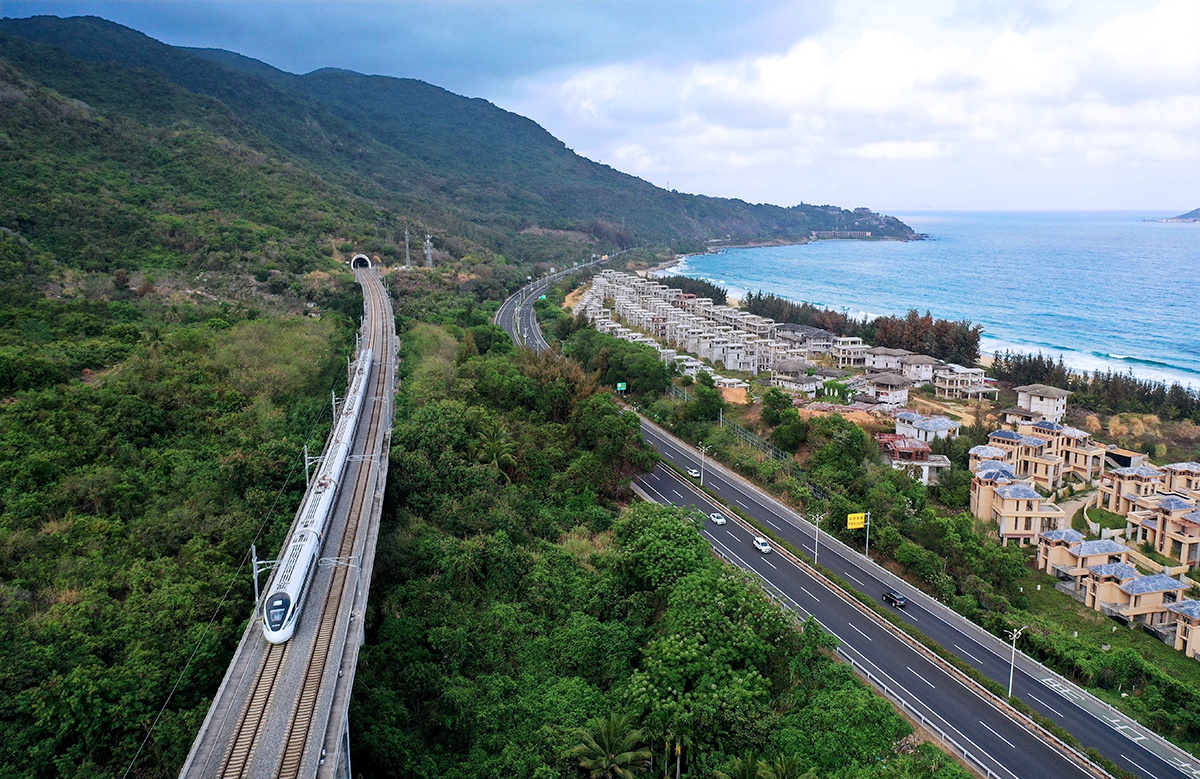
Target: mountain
x,y
1190,216
464,169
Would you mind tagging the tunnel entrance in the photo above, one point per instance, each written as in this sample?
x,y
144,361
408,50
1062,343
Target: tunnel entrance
x,y
360,261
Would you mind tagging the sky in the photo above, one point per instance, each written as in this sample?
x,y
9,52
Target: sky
x,y
897,106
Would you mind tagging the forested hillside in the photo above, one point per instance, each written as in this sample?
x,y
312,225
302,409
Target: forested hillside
x,y
456,165
174,310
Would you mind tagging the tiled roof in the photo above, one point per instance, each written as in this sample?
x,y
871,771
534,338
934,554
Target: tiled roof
x,y
1119,570
884,351
918,359
1188,608
1106,546
937,423
1018,491
1034,441
1183,467
1175,503
1043,391
994,469
1070,535
983,450
1074,432
1159,582
908,416
1045,424
1005,435
1141,470
889,380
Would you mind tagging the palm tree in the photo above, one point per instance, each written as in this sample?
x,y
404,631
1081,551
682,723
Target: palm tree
x,y
494,446
608,748
789,768
748,766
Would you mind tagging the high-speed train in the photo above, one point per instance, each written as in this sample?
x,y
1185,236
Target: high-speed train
x,y
289,586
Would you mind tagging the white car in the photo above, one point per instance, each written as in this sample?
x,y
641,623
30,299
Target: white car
x,y
717,518
762,545
695,474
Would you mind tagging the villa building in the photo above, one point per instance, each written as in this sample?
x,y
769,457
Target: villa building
x,y
1170,524
1121,487
927,429
886,360
955,381
1021,513
1047,403
1187,626
888,388
918,368
849,352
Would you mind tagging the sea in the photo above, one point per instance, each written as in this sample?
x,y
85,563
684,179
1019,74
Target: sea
x,y
1104,290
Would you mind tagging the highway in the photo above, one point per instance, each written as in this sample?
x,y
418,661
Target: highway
x,y
996,744
1093,722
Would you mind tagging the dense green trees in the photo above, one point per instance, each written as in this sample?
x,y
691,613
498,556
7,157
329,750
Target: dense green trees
x,y
531,627
616,360
956,342
1110,392
127,506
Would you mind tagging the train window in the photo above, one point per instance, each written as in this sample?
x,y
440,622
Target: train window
x,y
277,609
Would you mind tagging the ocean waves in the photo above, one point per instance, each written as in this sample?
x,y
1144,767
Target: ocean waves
x,y
1105,291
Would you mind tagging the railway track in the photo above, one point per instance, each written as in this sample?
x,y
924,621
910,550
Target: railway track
x,y
252,724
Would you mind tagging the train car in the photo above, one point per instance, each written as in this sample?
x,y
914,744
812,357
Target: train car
x,y
289,586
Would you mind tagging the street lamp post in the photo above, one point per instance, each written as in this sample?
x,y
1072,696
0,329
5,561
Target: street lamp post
x,y
816,520
703,450
1013,662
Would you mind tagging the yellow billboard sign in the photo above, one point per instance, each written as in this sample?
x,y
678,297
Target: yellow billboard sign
x,y
855,521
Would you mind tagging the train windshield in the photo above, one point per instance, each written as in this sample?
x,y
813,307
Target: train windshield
x,y
276,610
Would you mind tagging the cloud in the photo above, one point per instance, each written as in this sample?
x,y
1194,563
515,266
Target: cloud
x,y
1047,92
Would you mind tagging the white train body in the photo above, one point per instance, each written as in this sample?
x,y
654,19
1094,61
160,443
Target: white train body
x,y
289,585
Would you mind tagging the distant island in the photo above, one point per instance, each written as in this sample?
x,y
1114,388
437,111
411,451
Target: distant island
x,y
1190,216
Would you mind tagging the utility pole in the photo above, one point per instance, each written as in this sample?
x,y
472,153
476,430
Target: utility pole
x,y
703,450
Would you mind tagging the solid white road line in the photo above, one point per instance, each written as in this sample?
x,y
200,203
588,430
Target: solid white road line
x,y
1135,765
922,678
1047,705
997,735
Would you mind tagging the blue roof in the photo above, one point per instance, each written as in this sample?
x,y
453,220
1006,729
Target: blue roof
x,y
1175,503
991,466
1034,441
1020,491
908,416
1159,582
1141,470
1119,570
1188,608
983,450
1106,546
1070,535
937,423
1047,425
1007,435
